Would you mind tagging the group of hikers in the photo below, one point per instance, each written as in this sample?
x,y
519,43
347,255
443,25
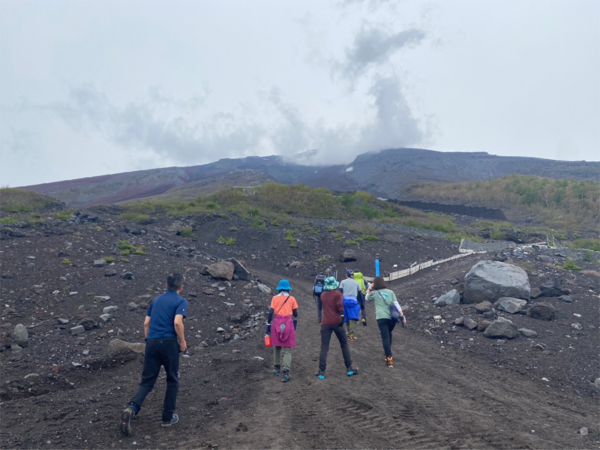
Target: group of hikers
x,y
338,303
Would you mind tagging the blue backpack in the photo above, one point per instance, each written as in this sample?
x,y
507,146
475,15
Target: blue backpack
x,y
319,284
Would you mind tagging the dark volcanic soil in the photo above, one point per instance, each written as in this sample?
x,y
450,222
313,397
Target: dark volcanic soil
x,y
451,388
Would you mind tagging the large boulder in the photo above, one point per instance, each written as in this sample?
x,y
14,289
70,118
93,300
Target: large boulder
x,y
492,280
501,329
20,335
449,298
348,255
239,269
542,311
222,270
510,305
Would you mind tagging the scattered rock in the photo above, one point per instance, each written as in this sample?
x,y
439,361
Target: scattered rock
x,y
79,329
62,321
221,270
469,323
535,293
566,298
137,347
459,321
483,307
105,317
482,326
542,311
88,324
492,280
510,305
208,291
239,269
110,272
348,255
554,288
295,264
264,288
501,329
101,298
20,335
127,276
577,326
583,431
132,306
449,298
99,263
110,309
527,333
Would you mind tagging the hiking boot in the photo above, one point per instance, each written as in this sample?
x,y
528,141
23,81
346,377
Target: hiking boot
x,y
352,338
277,370
364,322
320,375
286,378
173,420
126,419
390,362
353,370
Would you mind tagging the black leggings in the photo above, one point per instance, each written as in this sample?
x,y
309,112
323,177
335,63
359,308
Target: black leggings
x,y
386,326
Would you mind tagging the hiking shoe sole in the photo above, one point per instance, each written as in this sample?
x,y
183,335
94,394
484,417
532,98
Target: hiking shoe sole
x,y
126,419
175,419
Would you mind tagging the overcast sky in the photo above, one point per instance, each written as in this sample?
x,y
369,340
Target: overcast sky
x,y
95,87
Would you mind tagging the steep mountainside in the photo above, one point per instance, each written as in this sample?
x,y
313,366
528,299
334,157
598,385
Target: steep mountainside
x,y
384,173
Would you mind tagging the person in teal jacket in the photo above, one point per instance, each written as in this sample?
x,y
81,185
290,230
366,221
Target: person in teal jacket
x,y
383,298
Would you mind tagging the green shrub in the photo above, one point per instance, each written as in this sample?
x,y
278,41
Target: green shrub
x,y
64,215
293,245
589,244
351,242
570,265
497,235
186,232
589,256
233,229
223,216
322,260
8,221
13,200
141,250
338,236
125,260
66,261
125,245
230,241
274,223
370,238
142,219
258,223
125,252
109,259
211,205
331,229
576,235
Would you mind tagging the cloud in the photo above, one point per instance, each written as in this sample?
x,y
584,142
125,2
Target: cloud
x,y
372,47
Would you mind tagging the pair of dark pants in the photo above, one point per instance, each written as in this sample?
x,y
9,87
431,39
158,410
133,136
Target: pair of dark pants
x,y
361,300
319,306
159,352
386,326
326,331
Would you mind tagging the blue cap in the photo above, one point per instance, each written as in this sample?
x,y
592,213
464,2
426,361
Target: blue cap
x,y
349,272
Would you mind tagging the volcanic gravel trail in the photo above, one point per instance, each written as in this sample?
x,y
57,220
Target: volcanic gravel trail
x,y
431,399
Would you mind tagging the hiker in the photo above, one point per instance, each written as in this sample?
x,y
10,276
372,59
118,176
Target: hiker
x,y
163,330
283,307
383,298
333,322
349,287
317,290
361,295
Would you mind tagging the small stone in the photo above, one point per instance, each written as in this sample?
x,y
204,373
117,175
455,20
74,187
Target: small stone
x,y
264,288
527,333
101,298
577,326
220,330
481,326
99,263
120,332
79,329
132,306
88,324
62,321
469,323
542,311
583,431
105,317
110,309
127,276
110,272
85,352
20,335
15,348
566,298
482,307
459,321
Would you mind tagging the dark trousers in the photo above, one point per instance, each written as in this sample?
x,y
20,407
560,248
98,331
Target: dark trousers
x,y
386,326
361,300
326,331
159,352
319,307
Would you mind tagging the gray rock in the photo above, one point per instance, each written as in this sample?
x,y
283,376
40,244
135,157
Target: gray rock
x,y
483,307
527,333
88,324
62,321
77,330
105,317
99,263
510,305
535,293
118,344
542,311
239,269
132,306
482,326
469,323
546,258
566,298
101,298
110,272
492,280
110,309
264,288
554,288
143,300
501,329
597,382
348,255
449,298
295,264
127,276
20,335
459,321
120,332
16,348
221,270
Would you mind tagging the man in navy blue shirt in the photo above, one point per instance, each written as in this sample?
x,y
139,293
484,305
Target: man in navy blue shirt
x,y
163,329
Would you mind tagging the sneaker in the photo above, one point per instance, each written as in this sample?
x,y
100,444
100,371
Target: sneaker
x,y
126,419
364,322
174,419
277,370
353,370
390,362
320,375
286,378
352,338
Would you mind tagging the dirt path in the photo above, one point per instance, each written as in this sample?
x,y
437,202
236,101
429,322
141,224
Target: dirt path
x,y
431,399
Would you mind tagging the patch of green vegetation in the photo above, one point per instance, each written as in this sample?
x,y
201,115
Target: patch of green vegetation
x,y
575,235
14,200
322,260
274,223
351,242
186,232
370,238
108,259
338,236
125,260
258,223
233,229
141,250
525,265
498,235
588,244
570,265
8,220
212,205
96,228
293,245
66,261
589,256
228,241
223,216
254,238
125,245
64,215
331,229
125,252
289,236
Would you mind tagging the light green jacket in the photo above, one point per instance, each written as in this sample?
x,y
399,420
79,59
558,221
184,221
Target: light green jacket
x,y
383,298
